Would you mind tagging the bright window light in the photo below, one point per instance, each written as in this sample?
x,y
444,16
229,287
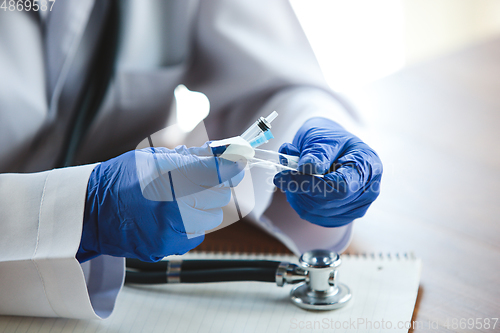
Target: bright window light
x,y
355,41
192,107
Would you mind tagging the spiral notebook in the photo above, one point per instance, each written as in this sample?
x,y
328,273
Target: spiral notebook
x,y
384,289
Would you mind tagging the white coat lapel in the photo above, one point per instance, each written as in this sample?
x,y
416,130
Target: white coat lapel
x,y
64,30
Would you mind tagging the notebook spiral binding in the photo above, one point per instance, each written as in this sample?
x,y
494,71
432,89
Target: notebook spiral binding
x,y
290,257
381,255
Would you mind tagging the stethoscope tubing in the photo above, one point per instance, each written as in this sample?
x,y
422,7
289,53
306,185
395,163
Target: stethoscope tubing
x,y
202,271
316,288
200,264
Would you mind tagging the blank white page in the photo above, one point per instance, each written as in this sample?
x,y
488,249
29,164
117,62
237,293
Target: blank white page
x,y
383,288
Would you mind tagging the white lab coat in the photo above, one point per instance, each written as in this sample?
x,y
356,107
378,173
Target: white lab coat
x,y
248,57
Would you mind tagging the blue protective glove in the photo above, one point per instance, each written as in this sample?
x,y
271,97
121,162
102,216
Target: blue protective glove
x,y
352,173
155,202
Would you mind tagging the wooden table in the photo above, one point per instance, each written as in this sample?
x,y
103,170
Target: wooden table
x,y
436,127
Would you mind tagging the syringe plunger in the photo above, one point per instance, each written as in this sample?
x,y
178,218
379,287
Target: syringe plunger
x,y
271,117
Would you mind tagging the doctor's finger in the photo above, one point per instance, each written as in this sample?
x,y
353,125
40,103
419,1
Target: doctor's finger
x,y
317,158
205,172
196,221
289,149
346,181
337,208
227,170
214,197
317,188
329,218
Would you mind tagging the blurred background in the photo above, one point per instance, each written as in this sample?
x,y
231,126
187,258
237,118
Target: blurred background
x,y
359,41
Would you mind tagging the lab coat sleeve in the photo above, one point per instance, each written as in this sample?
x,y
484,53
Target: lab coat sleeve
x,y
252,57
40,230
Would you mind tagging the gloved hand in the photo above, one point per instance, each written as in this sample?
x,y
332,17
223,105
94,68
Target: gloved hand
x,y
155,202
352,173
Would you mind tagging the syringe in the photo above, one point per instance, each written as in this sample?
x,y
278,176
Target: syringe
x,y
245,146
260,132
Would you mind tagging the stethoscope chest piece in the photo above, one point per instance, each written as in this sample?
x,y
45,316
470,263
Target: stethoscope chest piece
x,y
320,291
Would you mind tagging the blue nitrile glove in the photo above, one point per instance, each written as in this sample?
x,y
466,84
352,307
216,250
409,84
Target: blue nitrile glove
x,y
352,173
155,202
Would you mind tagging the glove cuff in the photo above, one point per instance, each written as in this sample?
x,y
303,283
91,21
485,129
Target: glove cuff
x,y
89,248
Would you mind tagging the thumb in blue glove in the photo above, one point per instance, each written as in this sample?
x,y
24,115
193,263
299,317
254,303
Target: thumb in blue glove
x,y
352,173
155,202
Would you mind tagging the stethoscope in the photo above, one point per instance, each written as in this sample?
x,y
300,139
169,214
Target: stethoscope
x,y
315,276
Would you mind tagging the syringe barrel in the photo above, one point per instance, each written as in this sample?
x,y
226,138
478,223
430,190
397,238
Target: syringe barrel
x,y
252,132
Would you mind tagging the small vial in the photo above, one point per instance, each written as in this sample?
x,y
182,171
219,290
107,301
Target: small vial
x,y
260,132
